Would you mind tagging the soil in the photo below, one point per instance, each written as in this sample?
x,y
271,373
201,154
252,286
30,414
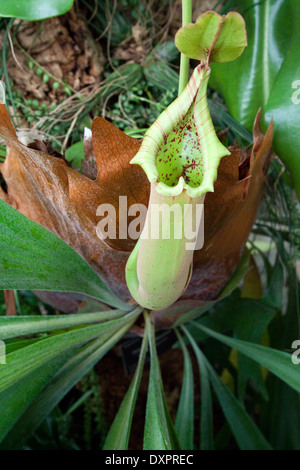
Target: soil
x,y
63,47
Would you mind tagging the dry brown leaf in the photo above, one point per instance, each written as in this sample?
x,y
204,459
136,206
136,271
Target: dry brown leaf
x,y
115,176
52,194
64,201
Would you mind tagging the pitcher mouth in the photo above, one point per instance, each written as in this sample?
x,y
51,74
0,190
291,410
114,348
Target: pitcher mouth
x,y
181,150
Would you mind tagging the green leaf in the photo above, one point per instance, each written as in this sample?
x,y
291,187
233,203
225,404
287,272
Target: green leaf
x,y
119,432
223,119
278,362
160,75
246,84
238,275
33,10
124,77
213,37
33,258
159,432
223,437
184,425
235,280
61,383
273,295
75,154
206,416
284,101
248,319
282,423
16,397
267,76
11,327
245,431
163,51
14,345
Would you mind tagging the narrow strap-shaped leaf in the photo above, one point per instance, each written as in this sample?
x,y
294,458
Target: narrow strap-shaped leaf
x,y
206,417
245,431
278,362
22,362
184,424
119,432
219,114
16,397
33,258
14,345
159,432
62,382
12,327
235,280
19,389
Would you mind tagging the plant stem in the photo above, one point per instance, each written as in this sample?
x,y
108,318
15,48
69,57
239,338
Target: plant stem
x,y
184,60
